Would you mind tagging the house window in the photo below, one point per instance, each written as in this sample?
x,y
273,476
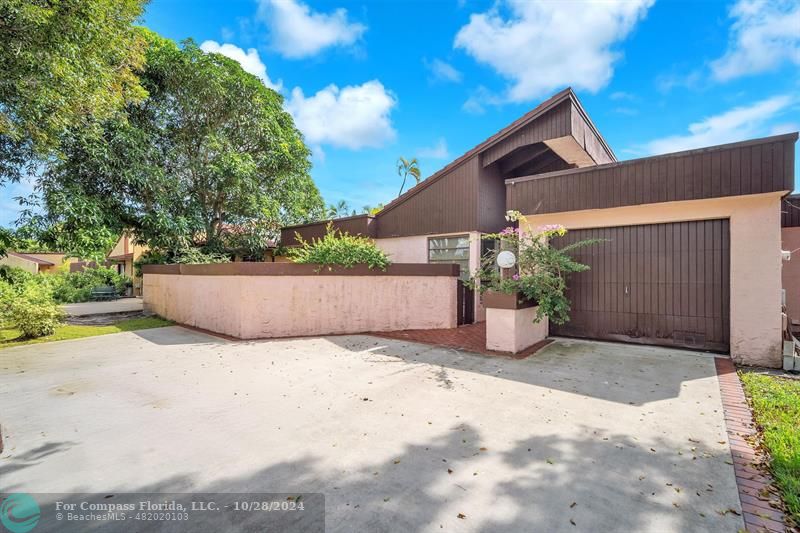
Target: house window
x,y
450,250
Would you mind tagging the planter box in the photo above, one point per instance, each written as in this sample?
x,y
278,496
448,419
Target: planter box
x,y
509,323
502,300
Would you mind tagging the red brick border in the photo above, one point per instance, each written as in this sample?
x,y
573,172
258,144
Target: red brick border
x,y
760,505
470,338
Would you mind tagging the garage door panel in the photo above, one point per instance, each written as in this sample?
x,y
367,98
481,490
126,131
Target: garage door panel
x,y
662,284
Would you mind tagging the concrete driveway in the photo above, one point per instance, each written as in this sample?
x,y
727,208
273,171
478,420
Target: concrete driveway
x,y
398,436
120,305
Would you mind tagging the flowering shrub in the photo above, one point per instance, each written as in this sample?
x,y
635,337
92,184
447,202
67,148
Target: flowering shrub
x,y
541,270
339,248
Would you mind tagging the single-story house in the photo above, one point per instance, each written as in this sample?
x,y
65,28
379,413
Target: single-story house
x,y
693,251
37,262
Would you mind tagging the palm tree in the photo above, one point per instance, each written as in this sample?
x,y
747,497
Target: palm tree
x,y
406,167
340,209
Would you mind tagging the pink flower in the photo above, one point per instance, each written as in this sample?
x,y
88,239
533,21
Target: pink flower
x,y
515,277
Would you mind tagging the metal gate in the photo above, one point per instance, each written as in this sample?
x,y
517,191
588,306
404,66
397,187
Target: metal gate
x,y
666,284
466,304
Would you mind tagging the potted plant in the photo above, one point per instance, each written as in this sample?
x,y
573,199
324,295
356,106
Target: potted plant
x,y
539,275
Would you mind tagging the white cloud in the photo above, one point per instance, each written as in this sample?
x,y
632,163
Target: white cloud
x,y
630,111
479,99
737,124
351,117
437,151
250,60
764,34
544,45
622,95
443,71
691,80
298,32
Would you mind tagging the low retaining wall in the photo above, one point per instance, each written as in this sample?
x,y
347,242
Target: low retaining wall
x,y
267,300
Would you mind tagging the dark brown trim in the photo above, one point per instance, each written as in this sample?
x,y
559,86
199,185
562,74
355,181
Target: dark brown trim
x,y
122,257
295,269
325,222
364,225
501,300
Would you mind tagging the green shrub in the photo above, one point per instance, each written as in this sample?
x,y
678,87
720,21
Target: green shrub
x,y
7,295
340,248
72,287
34,312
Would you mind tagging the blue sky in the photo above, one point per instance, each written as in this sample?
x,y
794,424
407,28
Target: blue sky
x,y
370,81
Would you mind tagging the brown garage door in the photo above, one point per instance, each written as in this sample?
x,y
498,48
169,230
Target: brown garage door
x,y
664,284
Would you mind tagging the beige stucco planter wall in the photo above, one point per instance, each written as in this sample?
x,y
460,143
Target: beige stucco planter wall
x,y
268,306
510,325
755,260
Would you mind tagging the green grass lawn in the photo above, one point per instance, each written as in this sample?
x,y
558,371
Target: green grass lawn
x,y
10,337
776,407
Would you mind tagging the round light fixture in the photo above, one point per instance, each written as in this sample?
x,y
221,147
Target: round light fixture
x,y
506,259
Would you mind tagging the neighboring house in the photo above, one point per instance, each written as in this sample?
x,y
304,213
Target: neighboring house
x,y
790,240
121,258
37,262
693,257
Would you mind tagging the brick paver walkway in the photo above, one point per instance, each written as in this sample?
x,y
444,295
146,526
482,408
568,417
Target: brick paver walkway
x,y
760,505
471,338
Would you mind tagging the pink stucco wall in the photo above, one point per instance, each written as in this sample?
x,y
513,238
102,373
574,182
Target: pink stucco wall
x,y
790,274
414,249
253,307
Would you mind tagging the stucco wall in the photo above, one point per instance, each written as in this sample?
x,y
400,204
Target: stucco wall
x,y
790,240
19,262
252,307
755,262
415,250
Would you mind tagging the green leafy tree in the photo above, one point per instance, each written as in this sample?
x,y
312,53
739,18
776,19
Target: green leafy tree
x,y
62,61
210,159
370,210
406,167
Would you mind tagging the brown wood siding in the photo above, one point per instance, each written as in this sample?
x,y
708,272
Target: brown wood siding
x,y
586,136
750,167
492,205
554,124
448,205
665,284
790,211
357,225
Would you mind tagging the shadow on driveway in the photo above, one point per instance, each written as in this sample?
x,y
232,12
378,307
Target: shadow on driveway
x,y
628,374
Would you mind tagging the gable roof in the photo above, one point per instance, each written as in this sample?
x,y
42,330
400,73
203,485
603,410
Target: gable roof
x,y
31,258
551,103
